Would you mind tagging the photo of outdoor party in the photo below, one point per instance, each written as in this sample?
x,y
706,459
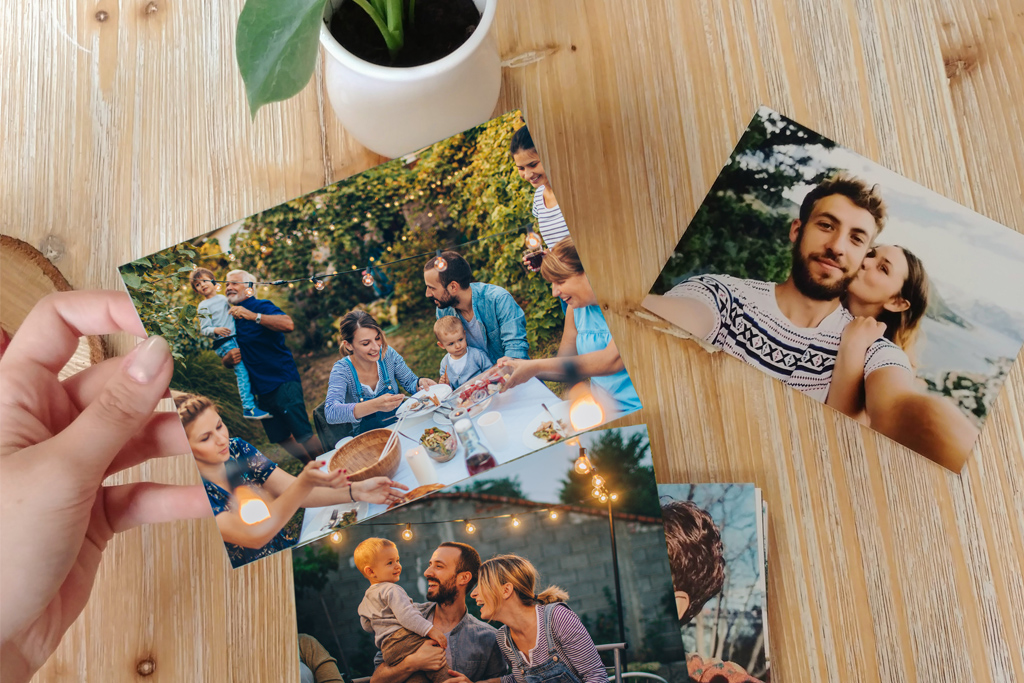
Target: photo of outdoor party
x,y
570,538
853,285
380,338
716,536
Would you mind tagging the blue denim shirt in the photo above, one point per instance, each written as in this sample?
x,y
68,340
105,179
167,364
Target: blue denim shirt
x,y
473,646
503,320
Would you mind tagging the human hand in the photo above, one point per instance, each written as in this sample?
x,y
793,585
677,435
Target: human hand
x,y
522,371
222,332
435,635
860,333
379,490
312,476
456,677
241,313
386,402
425,382
60,440
231,358
427,657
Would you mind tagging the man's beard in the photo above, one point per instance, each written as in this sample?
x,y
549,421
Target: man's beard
x,y
445,594
810,287
446,302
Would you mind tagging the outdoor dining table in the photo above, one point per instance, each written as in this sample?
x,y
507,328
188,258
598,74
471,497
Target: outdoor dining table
x,y
518,407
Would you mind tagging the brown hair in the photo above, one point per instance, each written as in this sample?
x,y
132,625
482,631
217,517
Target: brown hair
x,y
856,190
520,572
191,406
366,552
200,274
449,324
694,554
561,262
352,321
469,560
902,328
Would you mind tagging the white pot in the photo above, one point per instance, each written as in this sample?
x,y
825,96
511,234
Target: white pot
x,y
395,111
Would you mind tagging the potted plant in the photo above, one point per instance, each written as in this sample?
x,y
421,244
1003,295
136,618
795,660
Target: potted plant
x,y
398,73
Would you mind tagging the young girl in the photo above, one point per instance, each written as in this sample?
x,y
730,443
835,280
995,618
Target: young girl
x,y
888,298
216,322
550,222
364,385
212,447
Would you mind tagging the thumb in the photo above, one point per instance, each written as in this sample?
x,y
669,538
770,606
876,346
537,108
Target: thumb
x,y
126,403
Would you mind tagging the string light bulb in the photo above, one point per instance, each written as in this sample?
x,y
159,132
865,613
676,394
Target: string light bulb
x,y
440,265
319,284
585,413
217,287
604,498
582,464
249,288
407,532
553,514
336,537
615,496
252,509
533,240
597,493
367,278
470,528
515,521
598,481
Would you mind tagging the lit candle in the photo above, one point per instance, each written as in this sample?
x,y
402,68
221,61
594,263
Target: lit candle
x,y
421,465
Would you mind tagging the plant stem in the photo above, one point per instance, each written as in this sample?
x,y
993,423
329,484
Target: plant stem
x,y
394,42
412,13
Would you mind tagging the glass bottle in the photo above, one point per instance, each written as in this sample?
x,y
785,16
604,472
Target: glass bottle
x,y
478,457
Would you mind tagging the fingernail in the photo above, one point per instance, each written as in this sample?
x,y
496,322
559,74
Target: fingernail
x,y
147,359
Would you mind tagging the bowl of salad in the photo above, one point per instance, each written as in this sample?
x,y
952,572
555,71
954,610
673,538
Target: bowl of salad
x,y
440,445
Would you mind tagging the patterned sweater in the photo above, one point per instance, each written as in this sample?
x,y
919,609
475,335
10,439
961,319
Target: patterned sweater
x,y
341,387
573,643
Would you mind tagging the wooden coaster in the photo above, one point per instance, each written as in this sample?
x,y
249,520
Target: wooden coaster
x,y
26,276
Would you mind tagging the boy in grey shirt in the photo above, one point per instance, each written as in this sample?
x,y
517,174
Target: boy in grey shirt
x,y
216,322
462,362
387,610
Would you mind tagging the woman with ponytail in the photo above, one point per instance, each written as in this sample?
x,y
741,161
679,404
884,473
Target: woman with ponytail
x,y
215,451
541,638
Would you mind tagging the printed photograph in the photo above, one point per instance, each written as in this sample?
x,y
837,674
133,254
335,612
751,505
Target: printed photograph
x,y
395,332
717,552
553,564
853,285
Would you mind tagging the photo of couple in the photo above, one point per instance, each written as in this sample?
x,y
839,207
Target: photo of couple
x,y
852,285
435,289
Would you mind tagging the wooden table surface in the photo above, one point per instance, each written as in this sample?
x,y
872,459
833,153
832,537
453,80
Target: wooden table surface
x,y
126,135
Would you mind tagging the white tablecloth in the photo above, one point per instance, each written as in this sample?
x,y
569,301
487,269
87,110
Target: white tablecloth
x,y
517,406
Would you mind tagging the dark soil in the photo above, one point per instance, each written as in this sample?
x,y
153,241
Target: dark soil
x,y
440,27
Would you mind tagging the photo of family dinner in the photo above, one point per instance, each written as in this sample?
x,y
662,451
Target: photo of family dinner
x,y
551,567
380,338
853,285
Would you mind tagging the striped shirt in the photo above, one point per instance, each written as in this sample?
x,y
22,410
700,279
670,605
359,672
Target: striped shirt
x,y
341,387
573,644
750,326
550,222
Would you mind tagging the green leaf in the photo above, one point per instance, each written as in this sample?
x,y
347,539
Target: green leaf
x,y
276,46
132,280
141,262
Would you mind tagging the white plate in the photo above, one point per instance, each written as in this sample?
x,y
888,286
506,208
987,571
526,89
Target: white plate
x,y
440,391
560,411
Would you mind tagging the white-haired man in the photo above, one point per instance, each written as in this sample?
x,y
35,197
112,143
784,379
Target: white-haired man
x,y
259,328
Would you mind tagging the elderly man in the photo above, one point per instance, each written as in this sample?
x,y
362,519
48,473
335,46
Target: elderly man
x,y
259,329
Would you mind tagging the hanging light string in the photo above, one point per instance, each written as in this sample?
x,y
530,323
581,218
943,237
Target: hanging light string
x,y
319,278
466,519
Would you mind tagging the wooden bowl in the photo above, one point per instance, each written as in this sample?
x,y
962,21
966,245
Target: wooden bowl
x,y
361,456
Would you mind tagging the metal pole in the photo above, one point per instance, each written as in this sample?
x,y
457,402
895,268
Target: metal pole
x,y
615,571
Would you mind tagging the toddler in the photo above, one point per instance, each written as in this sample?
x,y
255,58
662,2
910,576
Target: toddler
x,y
462,362
216,322
398,626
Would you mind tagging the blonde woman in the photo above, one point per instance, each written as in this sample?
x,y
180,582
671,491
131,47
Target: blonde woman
x,y
541,638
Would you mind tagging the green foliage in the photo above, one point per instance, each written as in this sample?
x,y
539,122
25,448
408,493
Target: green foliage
x,y
510,487
742,227
167,305
619,462
312,565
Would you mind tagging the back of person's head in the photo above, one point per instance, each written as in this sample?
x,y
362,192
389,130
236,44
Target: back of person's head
x,y
520,572
448,325
863,196
191,406
469,560
200,274
561,262
352,321
366,552
902,327
694,553
521,141
458,269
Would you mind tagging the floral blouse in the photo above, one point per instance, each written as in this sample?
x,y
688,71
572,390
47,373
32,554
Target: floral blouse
x,y
256,469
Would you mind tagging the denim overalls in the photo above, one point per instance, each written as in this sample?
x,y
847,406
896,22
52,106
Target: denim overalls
x,y
551,670
376,420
